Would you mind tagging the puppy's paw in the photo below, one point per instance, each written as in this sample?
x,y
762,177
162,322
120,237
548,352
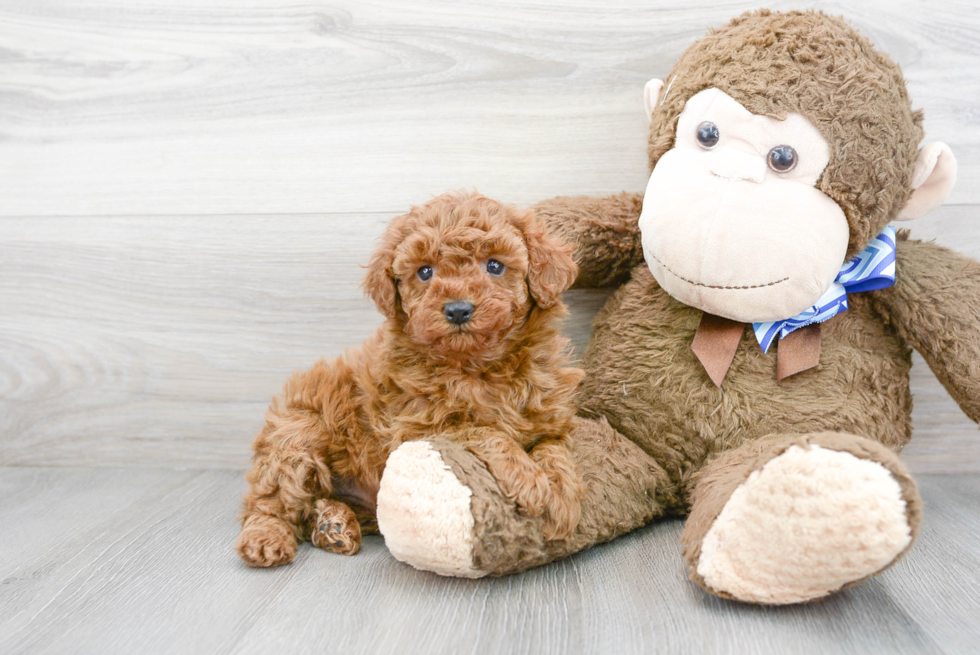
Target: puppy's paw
x,y
532,494
266,541
564,511
336,528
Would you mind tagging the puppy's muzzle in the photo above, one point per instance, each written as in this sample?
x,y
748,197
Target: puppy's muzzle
x,y
458,312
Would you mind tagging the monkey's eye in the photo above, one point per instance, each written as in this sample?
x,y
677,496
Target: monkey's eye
x,y
424,273
708,135
495,268
782,159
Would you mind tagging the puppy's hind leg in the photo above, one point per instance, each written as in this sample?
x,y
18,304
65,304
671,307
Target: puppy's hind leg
x,y
287,475
265,541
336,527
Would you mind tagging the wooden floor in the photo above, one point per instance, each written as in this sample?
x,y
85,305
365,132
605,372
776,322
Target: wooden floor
x,y
188,191
142,561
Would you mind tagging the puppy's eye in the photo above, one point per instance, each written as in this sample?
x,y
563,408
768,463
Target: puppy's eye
x,y
495,268
424,273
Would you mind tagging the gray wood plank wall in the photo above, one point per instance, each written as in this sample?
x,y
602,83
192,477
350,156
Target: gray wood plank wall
x,y
188,190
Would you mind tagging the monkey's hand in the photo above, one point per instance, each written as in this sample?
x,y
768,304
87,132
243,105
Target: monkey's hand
x,y
441,509
605,233
935,306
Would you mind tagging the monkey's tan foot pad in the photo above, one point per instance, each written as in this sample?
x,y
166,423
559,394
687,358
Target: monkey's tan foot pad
x,y
336,528
809,522
424,512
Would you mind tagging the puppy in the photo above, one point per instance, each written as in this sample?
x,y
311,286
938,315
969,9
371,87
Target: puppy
x,y
470,351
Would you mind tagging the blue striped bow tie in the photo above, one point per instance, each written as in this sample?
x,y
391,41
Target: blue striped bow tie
x,y
872,268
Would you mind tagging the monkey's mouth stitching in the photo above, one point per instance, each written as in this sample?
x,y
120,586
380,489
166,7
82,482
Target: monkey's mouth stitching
x,y
712,286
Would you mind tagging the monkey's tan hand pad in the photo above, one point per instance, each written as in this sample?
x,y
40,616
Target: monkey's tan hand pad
x,y
794,518
440,510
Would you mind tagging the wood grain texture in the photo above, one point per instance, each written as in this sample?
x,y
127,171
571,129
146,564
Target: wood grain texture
x,y
143,562
159,341
161,107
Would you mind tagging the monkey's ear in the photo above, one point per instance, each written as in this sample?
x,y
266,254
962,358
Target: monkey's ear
x,y
551,269
932,178
650,93
380,283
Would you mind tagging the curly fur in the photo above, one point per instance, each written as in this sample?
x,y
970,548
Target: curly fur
x,y
497,384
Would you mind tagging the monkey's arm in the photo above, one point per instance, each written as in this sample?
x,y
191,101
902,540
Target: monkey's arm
x,y
935,305
604,232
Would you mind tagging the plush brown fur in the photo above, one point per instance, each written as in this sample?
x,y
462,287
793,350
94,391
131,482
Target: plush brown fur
x,y
935,308
700,442
498,383
609,227
654,392
821,67
622,491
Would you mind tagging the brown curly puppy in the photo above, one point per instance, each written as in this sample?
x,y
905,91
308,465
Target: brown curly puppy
x,y
470,351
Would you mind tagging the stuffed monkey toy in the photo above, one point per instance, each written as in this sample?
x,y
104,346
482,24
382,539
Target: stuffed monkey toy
x,y
751,371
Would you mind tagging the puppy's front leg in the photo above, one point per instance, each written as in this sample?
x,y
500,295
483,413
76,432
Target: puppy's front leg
x,y
519,477
565,509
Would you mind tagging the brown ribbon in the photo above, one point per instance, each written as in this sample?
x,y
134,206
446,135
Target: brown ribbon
x,y
717,339
798,351
715,344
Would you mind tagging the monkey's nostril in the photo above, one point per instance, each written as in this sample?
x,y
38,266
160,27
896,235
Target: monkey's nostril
x,y
735,166
458,311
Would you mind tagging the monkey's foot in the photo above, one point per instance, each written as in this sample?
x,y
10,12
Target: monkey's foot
x,y
811,520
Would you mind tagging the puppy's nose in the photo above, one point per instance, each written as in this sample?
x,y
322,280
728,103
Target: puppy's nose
x,y
458,311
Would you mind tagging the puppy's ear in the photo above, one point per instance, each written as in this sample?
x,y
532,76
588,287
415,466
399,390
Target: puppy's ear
x,y
551,269
380,283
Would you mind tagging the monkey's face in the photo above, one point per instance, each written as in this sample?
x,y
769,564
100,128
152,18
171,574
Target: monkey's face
x,y
732,221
